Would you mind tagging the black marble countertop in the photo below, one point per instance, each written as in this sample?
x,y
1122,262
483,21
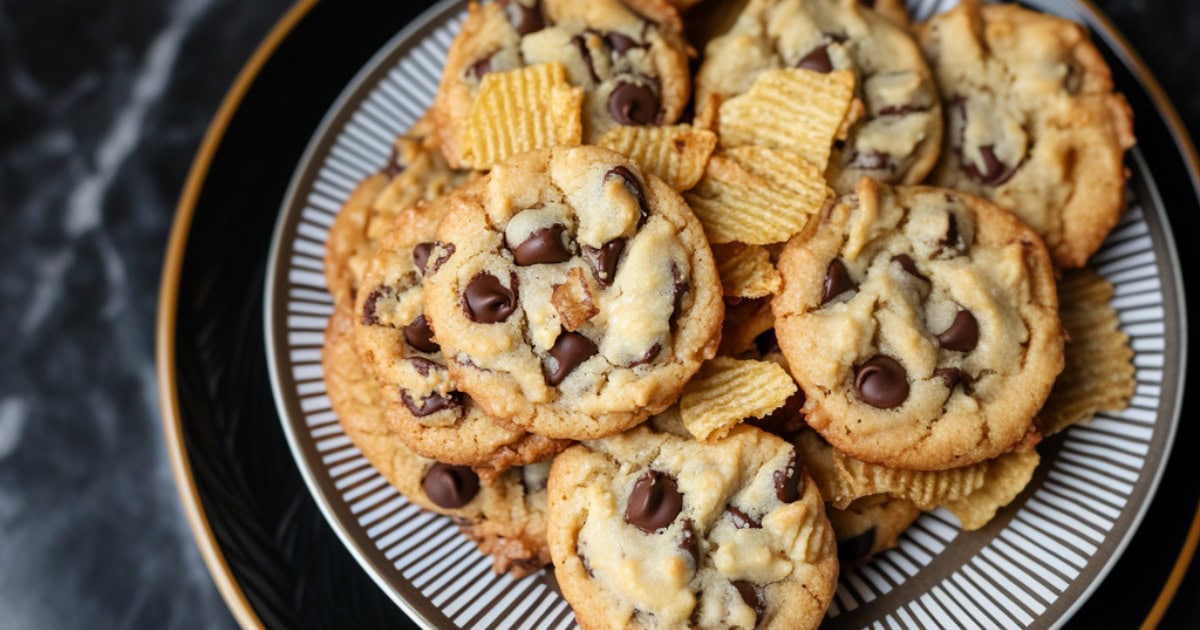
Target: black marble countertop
x,y
102,106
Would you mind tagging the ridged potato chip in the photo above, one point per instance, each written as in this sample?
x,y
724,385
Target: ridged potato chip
x,y
1098,374
676,154
790,110
727,391
522,110
757,196
1006,477
746,271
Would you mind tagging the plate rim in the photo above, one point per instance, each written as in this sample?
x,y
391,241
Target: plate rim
x,y
220,571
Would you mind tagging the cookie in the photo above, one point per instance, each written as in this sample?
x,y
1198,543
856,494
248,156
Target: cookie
x,y
414,173
870,525
398,347
630,58
922,324
573,295
1032,122
652,530
506,516
894,131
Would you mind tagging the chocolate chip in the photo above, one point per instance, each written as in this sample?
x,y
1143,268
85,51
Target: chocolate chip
x,y
634,186
766,343
788,482
544,246
587,566
633,104
480,68
837,281
424,366
688,543
994,171
881,382
621,43
857,547
903,110
570,350
951,377
431,404
580,44
963,333
871,161
749,594
908,265
817,60
449,486
654,502
394,165
487,301
419,335
422,252
952,240
524,19
650,356
785,420
370,314
741,520
603,261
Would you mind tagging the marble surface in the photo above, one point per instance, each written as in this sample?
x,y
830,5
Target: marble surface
x,y
102,106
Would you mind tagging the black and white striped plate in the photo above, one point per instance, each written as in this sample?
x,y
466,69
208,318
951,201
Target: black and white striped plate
x,y
1033,566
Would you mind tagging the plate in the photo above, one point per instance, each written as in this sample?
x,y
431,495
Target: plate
x,y
1082,512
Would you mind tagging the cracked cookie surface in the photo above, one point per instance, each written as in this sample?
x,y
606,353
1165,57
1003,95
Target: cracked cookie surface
x,y
921,324
630,58
1032,122
653,530
577,295
895,127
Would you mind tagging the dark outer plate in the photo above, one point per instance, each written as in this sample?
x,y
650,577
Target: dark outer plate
x,y
281,555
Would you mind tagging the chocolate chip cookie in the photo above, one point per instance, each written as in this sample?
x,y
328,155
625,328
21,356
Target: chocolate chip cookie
x,y
895,125
398,346
629,57
871,525
1032,122
506,516
652,530
922,325
414,173
573,295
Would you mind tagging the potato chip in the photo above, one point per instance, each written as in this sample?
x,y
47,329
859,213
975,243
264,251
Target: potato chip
x,y
727,391
676,154
746,271
744,322
927,489
1006,477
756,196
1098,373
522,110
789,110
574,299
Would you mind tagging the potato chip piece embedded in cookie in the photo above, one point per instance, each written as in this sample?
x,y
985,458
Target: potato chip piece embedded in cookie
x,y
727,391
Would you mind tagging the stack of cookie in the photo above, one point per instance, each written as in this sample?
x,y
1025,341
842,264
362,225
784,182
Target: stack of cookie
x,y
697,366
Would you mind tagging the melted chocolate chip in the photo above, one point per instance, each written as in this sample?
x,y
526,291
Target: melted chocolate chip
x,y
749,594
570,350
370,314
633,104
480,68
789,481
449,486
432,404
647,358
767,343
654,502
634,185
952,240
858,547
785,420
951,377
422,252
837,281
963,333
580,44
394,165
688,543
524,19
903,110
419,335
741,520
881,382
587,566
817,60
871,161
487,301
603,261
544,246
994,171
621,43
908,265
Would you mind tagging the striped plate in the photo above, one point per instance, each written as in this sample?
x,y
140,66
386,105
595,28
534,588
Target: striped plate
x,y
1033,566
